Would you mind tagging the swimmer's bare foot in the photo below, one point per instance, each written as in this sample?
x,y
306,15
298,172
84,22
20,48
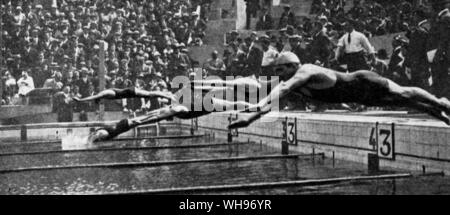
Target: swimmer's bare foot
x,y
445,118
91,138
446,103
346,107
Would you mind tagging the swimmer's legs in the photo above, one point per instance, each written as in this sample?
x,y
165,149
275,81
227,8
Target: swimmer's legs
x,y
159,115
106,94
400,100
432,110
150,94
420,95
223,105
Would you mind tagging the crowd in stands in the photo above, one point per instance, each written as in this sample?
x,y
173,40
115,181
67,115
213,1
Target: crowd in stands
x,y
146,43
57,44
372,17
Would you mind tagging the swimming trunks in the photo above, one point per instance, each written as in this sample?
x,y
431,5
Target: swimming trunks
x,y
125,93
361,87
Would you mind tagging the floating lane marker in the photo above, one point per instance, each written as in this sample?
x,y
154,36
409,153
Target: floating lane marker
x,y
264,185
169,137
47,152
150,164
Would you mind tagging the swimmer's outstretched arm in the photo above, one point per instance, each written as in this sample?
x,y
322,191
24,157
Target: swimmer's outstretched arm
x,y
267,104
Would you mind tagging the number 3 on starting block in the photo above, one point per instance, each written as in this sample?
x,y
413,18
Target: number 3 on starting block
x,y
382,139
290,131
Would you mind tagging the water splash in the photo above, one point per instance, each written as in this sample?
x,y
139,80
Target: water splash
x,y
72,142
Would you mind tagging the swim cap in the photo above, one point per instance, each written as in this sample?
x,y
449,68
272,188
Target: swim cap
x,y
287,58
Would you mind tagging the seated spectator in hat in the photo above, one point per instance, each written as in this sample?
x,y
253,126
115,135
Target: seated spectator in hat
x,y
84,83
215,66
296,47
178,62
10,85
269,57
158,81
63,105
19,17
54,82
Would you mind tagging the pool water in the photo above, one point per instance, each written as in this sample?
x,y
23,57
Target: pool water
x,y
128,179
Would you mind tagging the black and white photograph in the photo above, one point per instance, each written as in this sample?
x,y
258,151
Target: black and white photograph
x,y
248,98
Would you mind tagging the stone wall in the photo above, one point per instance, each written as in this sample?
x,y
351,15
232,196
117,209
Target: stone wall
x,y
413,144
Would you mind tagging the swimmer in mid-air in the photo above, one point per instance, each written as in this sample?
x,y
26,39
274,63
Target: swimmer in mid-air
x,y
187,110
326,85
133,92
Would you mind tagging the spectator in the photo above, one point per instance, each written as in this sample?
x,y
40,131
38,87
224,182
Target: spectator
x,y
254,58
380,64
352,47
178,63
215,66
251,11
269,56
296,46
320,47
441,61
10,87
397,71
239,62
54,82
26,85
265,21
287,18
63,105
417,59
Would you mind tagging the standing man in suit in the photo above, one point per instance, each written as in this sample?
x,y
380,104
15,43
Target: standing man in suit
x,y
397,71
254,58
440,40
265,21
287,18
251,11
320,46
416,58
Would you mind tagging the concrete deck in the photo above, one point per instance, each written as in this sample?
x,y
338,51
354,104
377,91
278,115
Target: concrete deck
x,y
410,143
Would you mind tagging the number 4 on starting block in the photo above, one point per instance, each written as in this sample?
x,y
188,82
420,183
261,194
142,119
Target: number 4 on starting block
x,y
382,139
290,131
